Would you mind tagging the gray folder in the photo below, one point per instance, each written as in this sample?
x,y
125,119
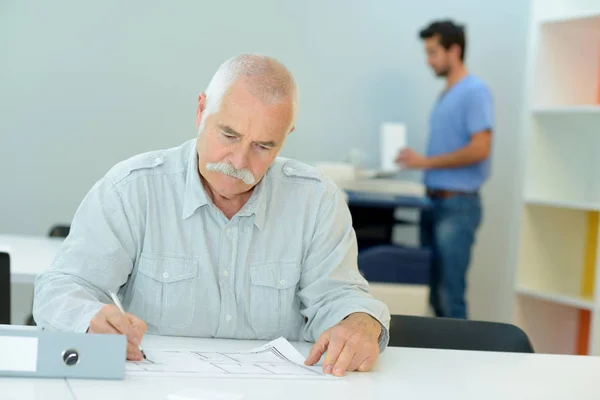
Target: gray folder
x,y
36,353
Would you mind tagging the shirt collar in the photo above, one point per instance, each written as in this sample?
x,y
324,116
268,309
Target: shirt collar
x,y
194,195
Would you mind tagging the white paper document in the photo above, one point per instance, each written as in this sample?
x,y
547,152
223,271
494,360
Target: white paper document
x,y
392,140
276,359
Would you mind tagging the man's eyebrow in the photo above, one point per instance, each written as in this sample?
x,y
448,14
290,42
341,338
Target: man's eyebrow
x,y
229,130
269,143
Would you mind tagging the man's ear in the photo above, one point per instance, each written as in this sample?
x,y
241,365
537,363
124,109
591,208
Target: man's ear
x,y
200,109
456,50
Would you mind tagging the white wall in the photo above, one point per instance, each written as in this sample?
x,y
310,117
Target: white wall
x,y
86,84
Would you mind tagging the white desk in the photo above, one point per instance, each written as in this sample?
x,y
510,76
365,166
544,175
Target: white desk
x,y
29,255
34,389
399,374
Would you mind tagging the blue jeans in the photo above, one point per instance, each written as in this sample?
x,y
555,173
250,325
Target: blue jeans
x,y
449,229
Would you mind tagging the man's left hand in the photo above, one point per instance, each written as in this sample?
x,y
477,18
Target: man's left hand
x,y
351,345
408,158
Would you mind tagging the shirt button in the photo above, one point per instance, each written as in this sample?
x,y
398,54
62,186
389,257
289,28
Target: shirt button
x,y
225,273
228,231
228,318
288,169
158,160
165,275
282,282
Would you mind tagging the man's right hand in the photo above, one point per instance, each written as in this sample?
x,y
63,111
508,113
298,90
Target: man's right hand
x,y
110,320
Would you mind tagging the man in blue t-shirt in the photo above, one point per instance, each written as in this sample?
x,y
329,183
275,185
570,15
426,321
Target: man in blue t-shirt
x,y
456,165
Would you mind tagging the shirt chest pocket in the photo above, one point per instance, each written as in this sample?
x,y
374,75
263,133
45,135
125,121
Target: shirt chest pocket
x,y
273,303
164,291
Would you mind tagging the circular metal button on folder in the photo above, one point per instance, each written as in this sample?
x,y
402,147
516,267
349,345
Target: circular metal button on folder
x,y
70,357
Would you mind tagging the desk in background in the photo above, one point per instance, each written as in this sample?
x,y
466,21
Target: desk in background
x,y
29,255
373,204
399,373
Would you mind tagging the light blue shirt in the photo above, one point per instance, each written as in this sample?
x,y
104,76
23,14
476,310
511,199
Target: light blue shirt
x,y
465,109
284,265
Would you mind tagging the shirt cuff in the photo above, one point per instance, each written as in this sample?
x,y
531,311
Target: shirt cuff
x,y
384,336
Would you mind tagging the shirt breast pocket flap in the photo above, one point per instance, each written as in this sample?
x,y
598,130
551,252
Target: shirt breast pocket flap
x,y
275,274
167,269
167,286
273,290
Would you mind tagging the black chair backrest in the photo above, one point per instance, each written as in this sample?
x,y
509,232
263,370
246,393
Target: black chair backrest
x,y
4,288
457,334
59,231
395,264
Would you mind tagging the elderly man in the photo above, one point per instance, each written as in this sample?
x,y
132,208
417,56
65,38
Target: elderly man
x,y
220,238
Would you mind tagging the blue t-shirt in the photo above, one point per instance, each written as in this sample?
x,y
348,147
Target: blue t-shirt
x,y
465,109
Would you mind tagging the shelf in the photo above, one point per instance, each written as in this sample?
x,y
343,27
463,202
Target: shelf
x,y
571,19
552,327
562,159
566,300
564,11
555,250
555,285
567,65
577,110
574,205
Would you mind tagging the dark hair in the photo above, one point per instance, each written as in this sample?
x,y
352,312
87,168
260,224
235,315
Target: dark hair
x,y
449,34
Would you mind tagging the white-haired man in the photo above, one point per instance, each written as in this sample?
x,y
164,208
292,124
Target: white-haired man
x,y
220,238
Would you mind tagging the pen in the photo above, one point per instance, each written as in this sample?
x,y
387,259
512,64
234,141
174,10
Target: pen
x,y
115,300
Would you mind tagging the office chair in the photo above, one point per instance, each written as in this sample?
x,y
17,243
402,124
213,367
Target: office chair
x,y
4,288
457,334
59,231
395,264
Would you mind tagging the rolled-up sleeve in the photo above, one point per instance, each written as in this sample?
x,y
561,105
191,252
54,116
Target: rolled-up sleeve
x,y
97,257
331,286
480,110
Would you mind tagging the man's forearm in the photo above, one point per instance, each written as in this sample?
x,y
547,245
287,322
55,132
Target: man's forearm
x,y
464,157
476,151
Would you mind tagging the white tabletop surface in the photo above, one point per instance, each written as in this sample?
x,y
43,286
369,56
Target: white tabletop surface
x,y
29,255
34,389
400,373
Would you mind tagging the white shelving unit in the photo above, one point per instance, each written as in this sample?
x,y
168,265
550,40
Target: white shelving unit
x,y
593,110
557,297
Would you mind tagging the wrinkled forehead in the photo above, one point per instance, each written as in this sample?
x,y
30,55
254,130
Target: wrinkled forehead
x,y
240,101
